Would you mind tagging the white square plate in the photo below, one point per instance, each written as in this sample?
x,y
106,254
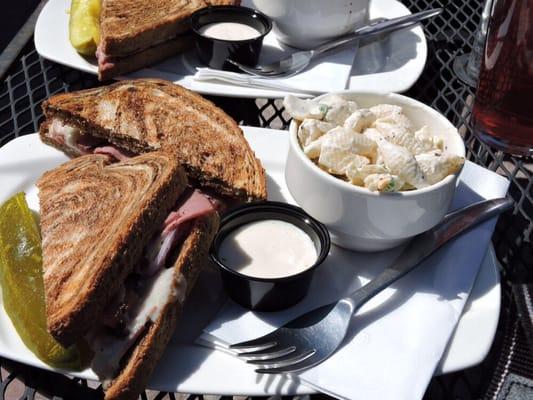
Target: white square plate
x,y
188,368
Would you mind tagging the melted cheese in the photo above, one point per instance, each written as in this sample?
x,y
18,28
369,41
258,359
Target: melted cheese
x,y
69,133
161,290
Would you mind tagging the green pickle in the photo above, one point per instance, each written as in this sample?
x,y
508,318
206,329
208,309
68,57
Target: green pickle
x,y
84,26
21,281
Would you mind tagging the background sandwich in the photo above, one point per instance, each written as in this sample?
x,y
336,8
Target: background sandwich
x,y
135,33
123,244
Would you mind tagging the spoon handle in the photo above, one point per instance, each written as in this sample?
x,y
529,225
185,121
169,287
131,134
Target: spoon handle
x,y
427,243
377,27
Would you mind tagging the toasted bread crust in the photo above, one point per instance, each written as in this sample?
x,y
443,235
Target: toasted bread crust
x,y
78,210
134,376
150,114
130,28
148,56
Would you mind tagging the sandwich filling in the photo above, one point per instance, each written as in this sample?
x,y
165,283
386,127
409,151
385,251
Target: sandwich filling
x,y
72,137
149,289
110,345
104,61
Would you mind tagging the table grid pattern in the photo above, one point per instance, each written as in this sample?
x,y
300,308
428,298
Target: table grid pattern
x,y
31,79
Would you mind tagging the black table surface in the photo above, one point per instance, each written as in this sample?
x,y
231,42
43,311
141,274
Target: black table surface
x,y
30,79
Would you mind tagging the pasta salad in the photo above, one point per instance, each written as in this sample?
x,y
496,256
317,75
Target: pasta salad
x,y
377,148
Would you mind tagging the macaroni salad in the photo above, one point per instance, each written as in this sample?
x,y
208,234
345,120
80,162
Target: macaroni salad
x,y
377,147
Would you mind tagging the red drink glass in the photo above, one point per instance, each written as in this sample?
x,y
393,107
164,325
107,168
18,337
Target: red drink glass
x,y
503,108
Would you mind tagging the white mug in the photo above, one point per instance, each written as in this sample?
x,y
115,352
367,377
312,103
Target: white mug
x,y
306,24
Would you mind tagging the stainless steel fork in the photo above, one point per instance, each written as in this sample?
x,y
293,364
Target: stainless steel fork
x,y
313,337
297,61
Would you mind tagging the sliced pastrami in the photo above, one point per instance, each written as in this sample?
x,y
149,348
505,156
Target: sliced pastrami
x,y
104,62
193,204
112,151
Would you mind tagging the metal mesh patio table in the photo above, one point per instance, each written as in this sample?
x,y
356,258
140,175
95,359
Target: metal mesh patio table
x,y
27,79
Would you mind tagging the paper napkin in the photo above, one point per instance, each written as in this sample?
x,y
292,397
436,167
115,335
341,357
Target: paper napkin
x,y
398,338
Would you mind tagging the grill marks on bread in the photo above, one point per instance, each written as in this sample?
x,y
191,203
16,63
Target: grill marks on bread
x,y
150,114
131,26
137,33
96,219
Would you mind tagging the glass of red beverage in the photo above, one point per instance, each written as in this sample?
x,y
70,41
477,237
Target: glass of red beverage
x,y
503,107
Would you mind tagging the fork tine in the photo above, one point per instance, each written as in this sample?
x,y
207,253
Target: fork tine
x,y
287,359
259,346
293,366
273,352
261,343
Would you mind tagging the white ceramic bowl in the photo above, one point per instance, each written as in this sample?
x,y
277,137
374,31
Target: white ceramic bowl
x,y
362,220
307,23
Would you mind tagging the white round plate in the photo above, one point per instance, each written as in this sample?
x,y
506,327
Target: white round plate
x,y
391,65
188,368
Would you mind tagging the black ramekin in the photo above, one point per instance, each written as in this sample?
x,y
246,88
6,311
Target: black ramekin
x,y
269,294
216,52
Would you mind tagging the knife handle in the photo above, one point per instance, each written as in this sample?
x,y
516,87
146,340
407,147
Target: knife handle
x,y
426,243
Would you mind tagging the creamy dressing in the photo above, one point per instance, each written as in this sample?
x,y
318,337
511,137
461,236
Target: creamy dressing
x,y
109,349
268,249
70,134
229,31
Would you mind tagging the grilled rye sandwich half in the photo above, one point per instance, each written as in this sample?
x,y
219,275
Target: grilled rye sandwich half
x,y
137,33
123,243
139,116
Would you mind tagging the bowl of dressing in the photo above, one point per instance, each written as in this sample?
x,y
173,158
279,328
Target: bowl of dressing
x,y
267,253
229,32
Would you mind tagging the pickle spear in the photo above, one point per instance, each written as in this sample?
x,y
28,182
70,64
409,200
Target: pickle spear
x,y
21,281
84,26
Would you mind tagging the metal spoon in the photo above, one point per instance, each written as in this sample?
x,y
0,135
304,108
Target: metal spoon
x,y
297,61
